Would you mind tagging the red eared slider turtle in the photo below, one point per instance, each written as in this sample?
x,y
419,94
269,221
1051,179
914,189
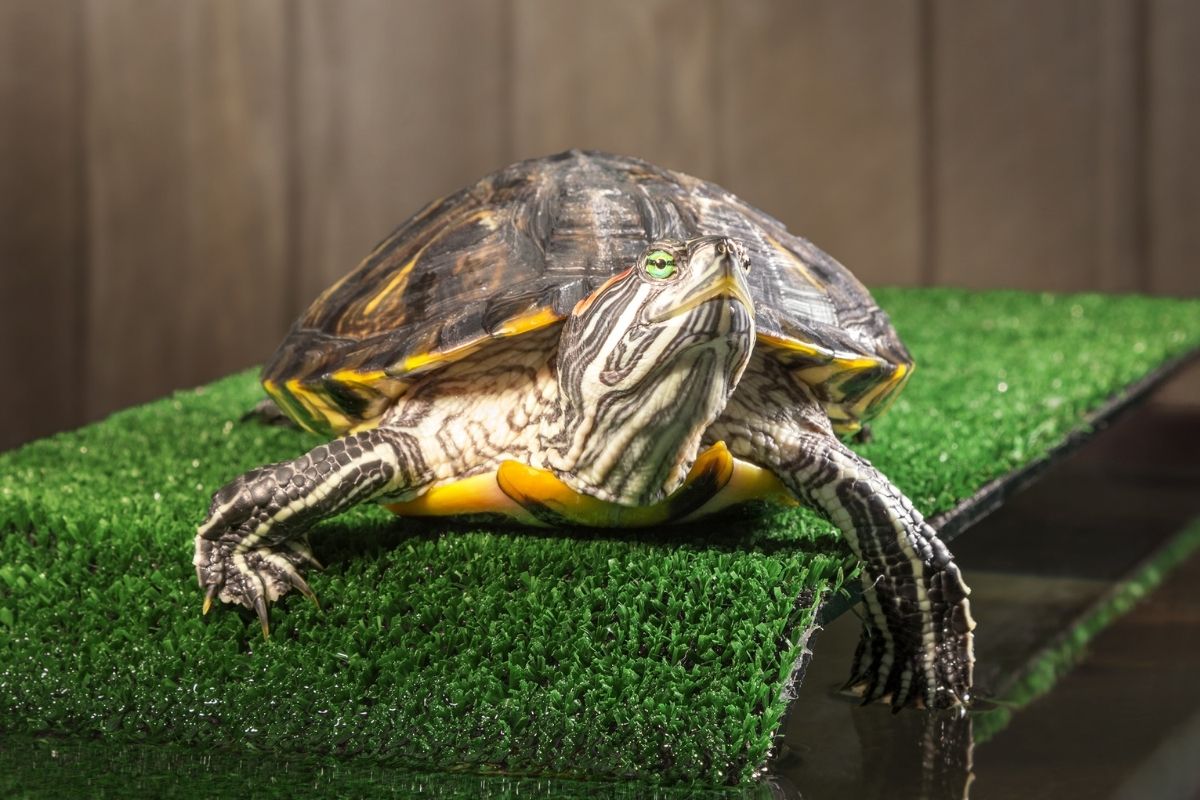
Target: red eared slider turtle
x,y
590,339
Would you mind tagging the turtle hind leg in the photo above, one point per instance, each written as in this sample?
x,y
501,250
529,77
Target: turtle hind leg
x,y
252,548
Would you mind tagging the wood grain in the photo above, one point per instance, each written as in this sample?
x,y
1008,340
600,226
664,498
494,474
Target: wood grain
x,y
41,232
1173,218
397,104
1029,106
1174,151
820,125
186,151
1121,264
634,77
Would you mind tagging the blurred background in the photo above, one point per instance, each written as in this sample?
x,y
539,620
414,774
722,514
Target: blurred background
x,y
179,179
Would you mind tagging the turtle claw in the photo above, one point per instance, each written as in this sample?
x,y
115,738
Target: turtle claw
x,y
302,549
302,586
260,607
253,577
894,671
209,594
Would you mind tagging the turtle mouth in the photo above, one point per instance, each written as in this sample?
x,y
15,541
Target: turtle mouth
x,y
726,287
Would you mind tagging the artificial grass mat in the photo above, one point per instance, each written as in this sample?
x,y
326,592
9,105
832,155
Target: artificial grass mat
x,y
657,655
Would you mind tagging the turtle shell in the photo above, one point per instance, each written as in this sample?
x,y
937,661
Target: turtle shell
x,y
517,250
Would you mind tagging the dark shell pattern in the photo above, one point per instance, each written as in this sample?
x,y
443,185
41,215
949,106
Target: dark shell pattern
x,y
517,250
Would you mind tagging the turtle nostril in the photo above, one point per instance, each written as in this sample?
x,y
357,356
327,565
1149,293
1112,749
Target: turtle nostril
x,y
722,249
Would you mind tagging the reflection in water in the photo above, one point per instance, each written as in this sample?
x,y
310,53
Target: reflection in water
x,y
931,755
877,753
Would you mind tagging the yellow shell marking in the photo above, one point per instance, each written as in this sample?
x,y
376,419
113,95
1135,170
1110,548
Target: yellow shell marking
x,y
479,494
845,362
368,378
797,264
514,487
748,482
884,394
533,488
422,360
532,321
291,406
401,277
316,405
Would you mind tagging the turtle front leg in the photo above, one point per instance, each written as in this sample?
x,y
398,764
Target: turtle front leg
x,y
252,548
916,647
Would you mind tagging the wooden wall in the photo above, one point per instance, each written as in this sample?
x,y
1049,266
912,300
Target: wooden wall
x,y
178,180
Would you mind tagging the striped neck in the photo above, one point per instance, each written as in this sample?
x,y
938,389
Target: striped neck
x,y
644,367
637,446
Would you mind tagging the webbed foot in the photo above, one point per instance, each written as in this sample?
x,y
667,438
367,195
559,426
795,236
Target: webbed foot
x,y
253,577
252,547
923,655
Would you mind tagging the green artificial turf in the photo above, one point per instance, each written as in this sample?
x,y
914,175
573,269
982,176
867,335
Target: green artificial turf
x,y
659,656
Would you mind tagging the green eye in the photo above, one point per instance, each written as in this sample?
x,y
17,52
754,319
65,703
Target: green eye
x,y
660,264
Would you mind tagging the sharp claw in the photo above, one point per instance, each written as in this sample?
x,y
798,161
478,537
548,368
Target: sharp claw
x,y
871,692
304,551
260,606
304,589
209,594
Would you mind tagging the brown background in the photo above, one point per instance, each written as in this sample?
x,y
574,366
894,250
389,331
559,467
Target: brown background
x,y
179,179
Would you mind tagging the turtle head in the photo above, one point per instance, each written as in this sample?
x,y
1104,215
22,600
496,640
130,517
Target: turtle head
x,y
646,363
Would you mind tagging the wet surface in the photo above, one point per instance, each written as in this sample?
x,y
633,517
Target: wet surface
x,y
1124,722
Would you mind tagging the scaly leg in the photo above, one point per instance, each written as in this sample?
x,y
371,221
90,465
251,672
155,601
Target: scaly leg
x,y
252,548
917,641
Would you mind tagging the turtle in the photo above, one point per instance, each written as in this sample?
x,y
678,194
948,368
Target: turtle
x,y
590,339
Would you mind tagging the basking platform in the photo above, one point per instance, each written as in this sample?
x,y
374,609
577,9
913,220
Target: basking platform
x,y
672,657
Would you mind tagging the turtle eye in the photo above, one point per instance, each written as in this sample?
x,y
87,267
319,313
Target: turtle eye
x,y
660,264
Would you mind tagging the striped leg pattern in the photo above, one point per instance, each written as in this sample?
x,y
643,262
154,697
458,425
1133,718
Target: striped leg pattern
x,y
252,547
916,646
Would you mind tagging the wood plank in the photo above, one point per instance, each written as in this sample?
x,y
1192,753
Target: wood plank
x,y
1031,105
820,125
397,104
186,147
1173,174
634,77
1121,264
42,230
1174,131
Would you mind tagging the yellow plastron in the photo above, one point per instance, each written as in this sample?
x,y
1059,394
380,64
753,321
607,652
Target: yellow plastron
x,y
537,497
